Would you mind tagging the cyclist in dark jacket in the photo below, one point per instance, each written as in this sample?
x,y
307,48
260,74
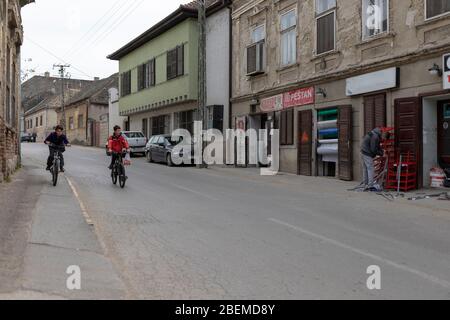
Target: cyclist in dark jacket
x,y
370,149
59,139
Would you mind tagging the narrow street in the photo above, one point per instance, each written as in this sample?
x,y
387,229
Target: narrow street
x,y
223,233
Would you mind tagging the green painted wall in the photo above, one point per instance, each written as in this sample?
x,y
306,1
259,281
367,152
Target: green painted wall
x,y
186,32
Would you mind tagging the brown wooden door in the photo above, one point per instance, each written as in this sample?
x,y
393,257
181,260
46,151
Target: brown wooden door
x,y
305,138
345,126
444,133
408,130
374,112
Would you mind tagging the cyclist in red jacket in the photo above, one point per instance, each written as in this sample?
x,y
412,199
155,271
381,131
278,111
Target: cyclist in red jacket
x,y
117,144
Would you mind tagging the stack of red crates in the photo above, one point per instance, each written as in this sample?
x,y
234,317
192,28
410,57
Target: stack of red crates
x,y
408,176
381,163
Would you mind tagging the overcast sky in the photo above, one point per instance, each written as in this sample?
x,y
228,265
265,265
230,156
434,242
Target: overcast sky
x,y
83,32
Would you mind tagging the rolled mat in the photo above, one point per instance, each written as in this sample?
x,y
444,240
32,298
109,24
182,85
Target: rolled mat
x,y
329,141
330,124
328,112
327,132
328,149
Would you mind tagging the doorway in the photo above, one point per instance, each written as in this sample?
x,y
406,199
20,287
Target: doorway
x,y
443,141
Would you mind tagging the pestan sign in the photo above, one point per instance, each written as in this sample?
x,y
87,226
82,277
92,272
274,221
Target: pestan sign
x,y
300,97
295,98
446,75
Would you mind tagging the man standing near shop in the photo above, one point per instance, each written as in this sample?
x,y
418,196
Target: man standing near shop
x,y
370,149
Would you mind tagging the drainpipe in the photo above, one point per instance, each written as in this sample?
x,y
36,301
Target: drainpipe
x,y
230,72
88,104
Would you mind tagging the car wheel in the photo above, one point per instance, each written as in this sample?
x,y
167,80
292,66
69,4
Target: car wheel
x,y
169,160
149,157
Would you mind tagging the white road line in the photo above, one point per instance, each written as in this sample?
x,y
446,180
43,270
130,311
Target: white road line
x,y
194,192
418,273
82,206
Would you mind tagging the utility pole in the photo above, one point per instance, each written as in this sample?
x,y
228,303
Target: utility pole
x,y
202,97
62,73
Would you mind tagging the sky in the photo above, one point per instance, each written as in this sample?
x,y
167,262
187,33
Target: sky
x,y
83,32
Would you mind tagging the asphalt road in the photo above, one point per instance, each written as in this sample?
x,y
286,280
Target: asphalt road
x,y
223,233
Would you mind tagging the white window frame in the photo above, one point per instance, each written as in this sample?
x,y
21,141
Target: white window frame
x,y
252,42
363,24
254,29
318,16
435,17
286,31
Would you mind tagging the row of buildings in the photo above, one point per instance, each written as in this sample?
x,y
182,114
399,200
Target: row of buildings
x,y
323,72
86,107
11,38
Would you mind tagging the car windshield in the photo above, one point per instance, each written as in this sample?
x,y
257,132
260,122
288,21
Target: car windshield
x,y
134,134
173,142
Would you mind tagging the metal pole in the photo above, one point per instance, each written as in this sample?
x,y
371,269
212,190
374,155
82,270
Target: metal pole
x,y
62,71
202,97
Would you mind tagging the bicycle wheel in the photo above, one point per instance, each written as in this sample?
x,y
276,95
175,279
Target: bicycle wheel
x,y
55,172
122,176
114,174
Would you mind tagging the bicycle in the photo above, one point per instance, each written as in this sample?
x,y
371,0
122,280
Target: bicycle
x,y
118,170
54,169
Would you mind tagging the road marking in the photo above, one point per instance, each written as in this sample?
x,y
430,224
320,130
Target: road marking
x,y
421,274
194,192
82,206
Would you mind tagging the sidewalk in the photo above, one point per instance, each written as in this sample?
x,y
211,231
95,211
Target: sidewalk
x,y
55,236
339,189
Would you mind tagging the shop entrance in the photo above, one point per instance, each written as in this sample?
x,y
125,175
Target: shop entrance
x,y
443,115
436,135
263,121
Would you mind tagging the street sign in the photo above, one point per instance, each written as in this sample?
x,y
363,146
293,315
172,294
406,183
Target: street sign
x,y
446,76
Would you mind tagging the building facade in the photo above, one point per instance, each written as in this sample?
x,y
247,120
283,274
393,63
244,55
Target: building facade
x,y
159,72
41,96
326,72
87,114
11,38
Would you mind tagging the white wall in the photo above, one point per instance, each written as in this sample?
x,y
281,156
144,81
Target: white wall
x,y
218,61
114,117
430,136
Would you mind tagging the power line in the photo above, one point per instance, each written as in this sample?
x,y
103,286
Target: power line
x,y
103,36
93,27
99,29
55,56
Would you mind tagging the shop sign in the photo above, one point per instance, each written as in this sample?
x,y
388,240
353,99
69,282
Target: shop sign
x,y
299,97
374,81
446,76
271,104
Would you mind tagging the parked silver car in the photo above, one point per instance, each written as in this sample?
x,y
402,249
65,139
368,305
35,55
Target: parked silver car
x,y
136,140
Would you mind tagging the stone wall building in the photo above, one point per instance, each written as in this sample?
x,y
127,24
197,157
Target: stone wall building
x,y
41,96
11,38
325,72
86,114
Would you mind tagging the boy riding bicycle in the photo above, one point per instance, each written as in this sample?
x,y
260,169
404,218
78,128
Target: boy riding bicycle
x,y
58,139
117,144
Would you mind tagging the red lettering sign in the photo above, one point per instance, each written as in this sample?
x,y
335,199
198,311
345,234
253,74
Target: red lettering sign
x,y
274,103
300,97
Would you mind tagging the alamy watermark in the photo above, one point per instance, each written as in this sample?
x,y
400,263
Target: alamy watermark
x,y
236,147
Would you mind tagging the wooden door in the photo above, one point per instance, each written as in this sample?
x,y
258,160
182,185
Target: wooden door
x,y
345,127
374,112
444,133
408,130
305,139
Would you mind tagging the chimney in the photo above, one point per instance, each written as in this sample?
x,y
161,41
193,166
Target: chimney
x,y
47,74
